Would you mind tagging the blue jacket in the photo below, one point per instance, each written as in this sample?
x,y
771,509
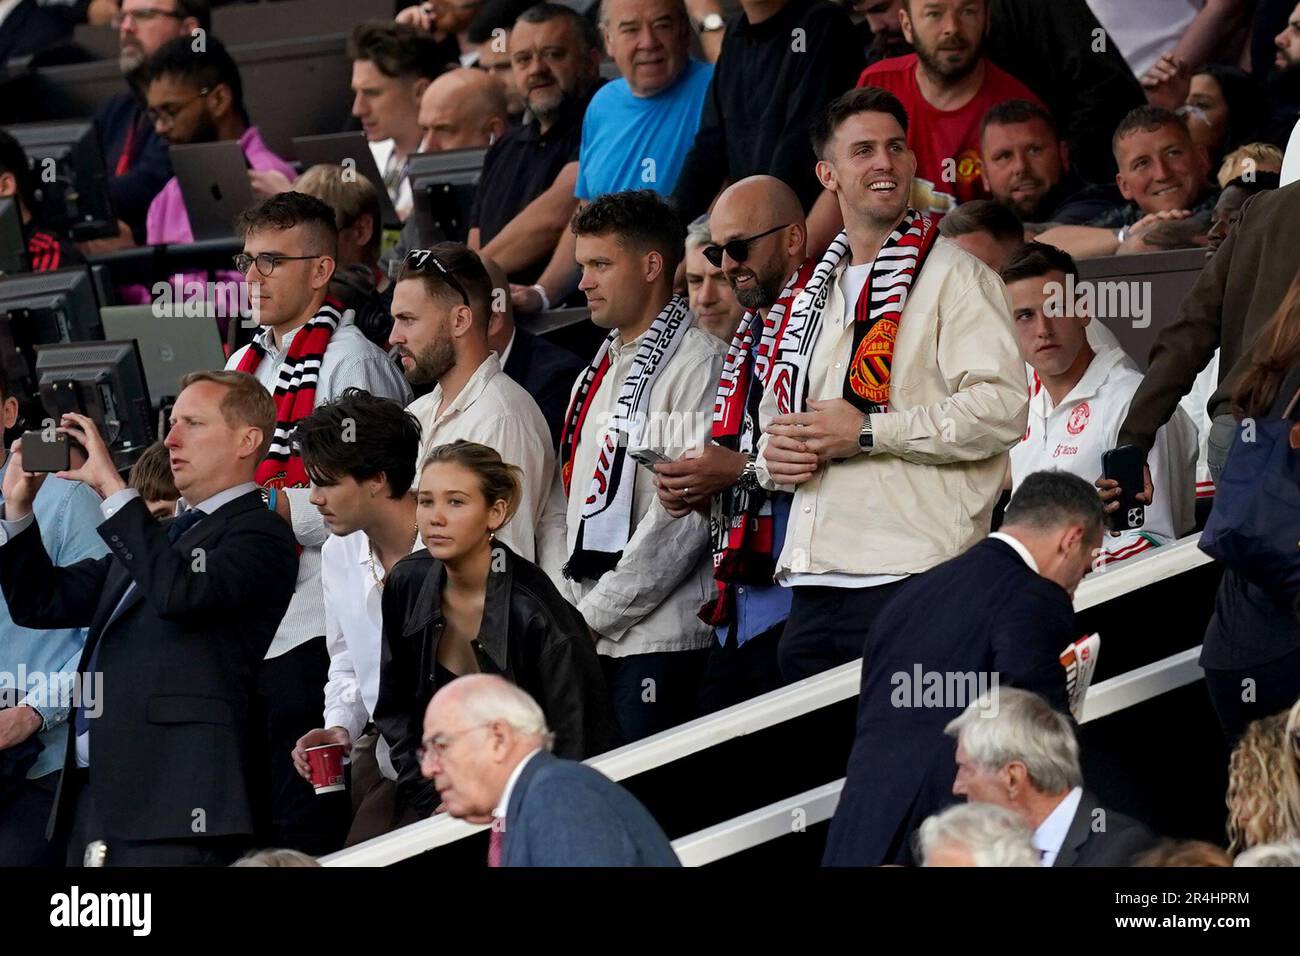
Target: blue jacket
x,y
563,813
68,514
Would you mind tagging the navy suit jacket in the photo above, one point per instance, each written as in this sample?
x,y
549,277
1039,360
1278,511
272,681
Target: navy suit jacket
x,y
980,613
546,372
1104,838
563,813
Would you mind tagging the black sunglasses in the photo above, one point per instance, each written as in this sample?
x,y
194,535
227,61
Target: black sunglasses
x,y
418,259
738,249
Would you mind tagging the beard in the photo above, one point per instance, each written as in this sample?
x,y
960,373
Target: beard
x,y
557,102
435,361
935,61
766,289
131,60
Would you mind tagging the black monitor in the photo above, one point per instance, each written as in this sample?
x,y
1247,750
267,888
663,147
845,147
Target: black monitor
x,y
442,190
105,382
13,250
70,177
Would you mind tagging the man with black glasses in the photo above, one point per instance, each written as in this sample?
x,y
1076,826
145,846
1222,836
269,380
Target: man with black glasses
x,y
441,307
305,355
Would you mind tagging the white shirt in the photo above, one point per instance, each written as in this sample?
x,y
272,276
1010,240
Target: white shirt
x,y
1144,29
1018,547
494,410
354,635
1051,832
505,353
1196,404
384,152
504,803
351,361
1073,436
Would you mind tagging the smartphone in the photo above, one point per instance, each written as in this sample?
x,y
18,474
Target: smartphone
x,y
648,457
1125,464
40,455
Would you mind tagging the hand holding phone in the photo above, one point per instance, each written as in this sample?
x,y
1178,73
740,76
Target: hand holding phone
x,y
648,457
1126,466
45,456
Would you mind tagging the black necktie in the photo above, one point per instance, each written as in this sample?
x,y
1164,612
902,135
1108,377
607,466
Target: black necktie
x,y
182,523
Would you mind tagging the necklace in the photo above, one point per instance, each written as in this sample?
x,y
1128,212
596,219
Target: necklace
x,y
370,548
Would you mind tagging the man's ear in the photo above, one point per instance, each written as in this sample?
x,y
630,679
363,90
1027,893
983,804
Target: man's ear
x,y
462,320
363,228
905,21
826,175
8,413
496,128
418,89
8,185
654,266
220,101
323,271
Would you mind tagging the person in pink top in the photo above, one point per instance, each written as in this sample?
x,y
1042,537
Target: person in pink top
x,y
946,86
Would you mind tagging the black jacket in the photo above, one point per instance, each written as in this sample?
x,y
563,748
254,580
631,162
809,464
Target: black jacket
x,y
529,635
1098,836
983,613
178,662
547,372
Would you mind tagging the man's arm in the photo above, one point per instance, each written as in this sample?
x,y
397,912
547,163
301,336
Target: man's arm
x,y
1214,26
40,594
705,167
559,279
536,229
343,705
1082,242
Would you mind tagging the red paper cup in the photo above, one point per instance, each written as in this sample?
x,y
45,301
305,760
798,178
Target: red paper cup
x,y
326,768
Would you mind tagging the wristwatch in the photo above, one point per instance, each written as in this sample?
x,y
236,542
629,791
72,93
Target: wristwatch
x,y
749,476
710,23
866,438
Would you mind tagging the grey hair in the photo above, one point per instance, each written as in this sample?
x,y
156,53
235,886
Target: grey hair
x,y
488,697
697,233
995,836
1270,854
602,17
1009,724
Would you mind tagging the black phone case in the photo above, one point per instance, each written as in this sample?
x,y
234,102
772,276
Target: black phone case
x,y
43,456
1131,513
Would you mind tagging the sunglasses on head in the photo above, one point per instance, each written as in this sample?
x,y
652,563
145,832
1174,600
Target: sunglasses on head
x,y
738,249
419,260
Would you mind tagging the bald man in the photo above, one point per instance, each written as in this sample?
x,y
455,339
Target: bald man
x,y
486,747
462,109
760,243
545,370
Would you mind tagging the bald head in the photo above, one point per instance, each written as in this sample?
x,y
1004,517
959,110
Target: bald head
x,y
751,207
462,109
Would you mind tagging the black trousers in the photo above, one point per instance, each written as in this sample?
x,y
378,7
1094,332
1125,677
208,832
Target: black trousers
x,y
737,674
828,627
1274,687
652,692
24,812
291,697
87,827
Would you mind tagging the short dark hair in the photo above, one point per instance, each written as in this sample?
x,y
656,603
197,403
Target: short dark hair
x,y
205,69
13,159
983,215
200,10
868,99
398,50
1010,112
1049,499
546,12
640,218
1146,119
359,436
289,209
1036,259
465,267
151,475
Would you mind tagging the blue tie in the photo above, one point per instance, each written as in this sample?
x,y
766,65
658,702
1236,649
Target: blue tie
x,y
182,523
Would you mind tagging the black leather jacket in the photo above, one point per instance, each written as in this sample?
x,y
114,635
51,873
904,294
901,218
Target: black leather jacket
x,y
530,635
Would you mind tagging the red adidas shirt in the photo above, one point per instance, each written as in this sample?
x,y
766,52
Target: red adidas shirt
x,y
937,135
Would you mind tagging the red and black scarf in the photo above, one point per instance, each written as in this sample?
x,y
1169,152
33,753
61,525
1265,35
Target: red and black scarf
x,y
740,521
295,394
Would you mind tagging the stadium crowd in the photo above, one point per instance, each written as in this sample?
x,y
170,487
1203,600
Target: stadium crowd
x,y
852,399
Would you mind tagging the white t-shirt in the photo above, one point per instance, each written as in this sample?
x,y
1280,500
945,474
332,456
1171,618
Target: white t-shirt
x,y
1144,29
1073,436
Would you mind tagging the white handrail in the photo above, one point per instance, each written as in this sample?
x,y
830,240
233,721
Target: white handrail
x,y
794,700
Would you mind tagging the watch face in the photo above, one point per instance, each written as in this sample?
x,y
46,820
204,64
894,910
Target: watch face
x,y
711,22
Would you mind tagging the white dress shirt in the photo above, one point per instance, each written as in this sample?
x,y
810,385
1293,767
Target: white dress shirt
x,y
354,635
1018,547
494,410
1051,832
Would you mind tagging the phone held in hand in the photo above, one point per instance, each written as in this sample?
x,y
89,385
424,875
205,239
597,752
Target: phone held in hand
x,y
648,457
40,455
1125,465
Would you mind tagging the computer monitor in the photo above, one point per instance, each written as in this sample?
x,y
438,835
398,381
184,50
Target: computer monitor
x,y
13,250
442,189
104,381
70,176
171,346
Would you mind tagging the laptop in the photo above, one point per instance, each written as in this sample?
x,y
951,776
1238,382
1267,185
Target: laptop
x,y
170,347
214,182
332,149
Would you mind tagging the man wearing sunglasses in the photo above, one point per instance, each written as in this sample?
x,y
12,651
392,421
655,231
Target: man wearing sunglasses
x,y
304,355
135,156
442,309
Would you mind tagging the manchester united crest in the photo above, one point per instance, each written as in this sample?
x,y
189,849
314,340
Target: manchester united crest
x,y
1078,419
869,374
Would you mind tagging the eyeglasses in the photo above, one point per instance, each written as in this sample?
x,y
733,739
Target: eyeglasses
x,y
738,249
266,261
167,114
143,15
418,259
439,745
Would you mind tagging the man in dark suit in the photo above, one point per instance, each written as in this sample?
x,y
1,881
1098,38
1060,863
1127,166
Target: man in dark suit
x,y
487,750
180,616
997,616
1022,755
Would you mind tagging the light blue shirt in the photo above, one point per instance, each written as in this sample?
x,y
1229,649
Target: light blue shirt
x,y
43,664
762,607
634,142
1051,833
